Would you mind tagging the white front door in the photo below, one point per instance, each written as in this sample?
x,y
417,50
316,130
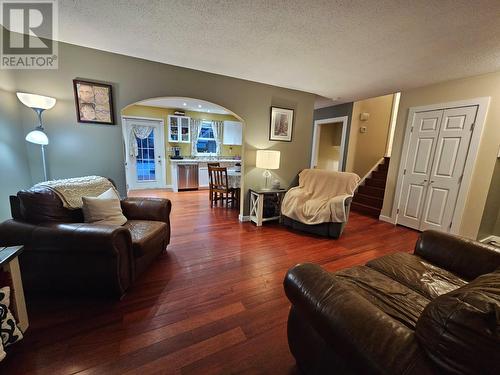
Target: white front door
x,y
437,152
145,164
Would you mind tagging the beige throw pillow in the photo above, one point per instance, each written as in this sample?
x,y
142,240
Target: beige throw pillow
x,y
104,209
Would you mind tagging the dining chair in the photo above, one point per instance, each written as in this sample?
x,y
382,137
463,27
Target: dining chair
x,y
211,165
219,187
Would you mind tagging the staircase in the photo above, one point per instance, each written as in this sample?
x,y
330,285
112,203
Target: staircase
x,y
370,195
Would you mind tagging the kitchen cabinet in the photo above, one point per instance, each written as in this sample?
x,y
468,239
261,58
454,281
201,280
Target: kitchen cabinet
x,y
203,175
179,129
232,133
202,169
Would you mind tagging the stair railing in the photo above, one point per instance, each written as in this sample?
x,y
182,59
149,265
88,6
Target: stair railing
x,y
369,173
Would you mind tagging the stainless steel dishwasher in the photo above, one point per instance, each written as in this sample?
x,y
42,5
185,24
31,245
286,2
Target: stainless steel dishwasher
x,y
187,175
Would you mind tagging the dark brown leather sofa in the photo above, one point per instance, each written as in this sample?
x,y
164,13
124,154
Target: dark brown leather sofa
x,y
332,230
63,254
434,312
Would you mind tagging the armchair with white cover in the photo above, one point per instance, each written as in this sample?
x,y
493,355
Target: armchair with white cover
x,y
320,203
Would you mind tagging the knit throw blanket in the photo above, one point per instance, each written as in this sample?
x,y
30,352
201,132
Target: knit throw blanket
x,y
71,190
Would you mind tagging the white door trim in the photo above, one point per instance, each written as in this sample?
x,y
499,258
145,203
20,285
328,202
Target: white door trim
x,y
162,145
316,135
392,126
482,104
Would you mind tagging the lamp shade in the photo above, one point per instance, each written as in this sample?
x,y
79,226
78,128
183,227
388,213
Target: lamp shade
x,y
38,137
36,101
268,159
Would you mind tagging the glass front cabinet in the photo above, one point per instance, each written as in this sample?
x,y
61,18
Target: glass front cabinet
x,y
179,129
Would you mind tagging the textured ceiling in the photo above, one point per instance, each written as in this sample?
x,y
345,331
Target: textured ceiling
x,y
342,50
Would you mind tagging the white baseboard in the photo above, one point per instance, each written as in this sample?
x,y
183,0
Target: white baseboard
x,y
243,218
387,219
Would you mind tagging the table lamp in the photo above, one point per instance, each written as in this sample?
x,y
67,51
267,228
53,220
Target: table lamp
x,y
267,159
38,103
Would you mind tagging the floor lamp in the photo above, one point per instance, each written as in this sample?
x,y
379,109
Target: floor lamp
x,y
38,103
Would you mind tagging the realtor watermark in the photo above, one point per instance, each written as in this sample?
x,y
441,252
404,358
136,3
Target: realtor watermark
x,y
29,34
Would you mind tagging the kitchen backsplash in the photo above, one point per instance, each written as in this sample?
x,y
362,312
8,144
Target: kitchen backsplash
x,y
220,157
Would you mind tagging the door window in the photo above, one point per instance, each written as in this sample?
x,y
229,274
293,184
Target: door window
x,y
146,158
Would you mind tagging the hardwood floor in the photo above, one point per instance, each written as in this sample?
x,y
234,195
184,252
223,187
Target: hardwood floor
x,y
213,304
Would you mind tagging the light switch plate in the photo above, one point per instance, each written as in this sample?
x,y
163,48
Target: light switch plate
x,y
364,116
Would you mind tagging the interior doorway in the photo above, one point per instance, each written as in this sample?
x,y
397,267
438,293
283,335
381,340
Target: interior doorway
x,y
329,138
145,159
169,142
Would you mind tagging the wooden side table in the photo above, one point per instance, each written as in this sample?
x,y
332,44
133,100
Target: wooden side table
x,y
257,204
10,264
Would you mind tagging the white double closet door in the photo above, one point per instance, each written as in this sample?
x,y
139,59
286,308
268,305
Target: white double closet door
x,y
435,161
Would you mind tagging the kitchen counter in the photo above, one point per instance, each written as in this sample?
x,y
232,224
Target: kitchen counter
x,y
202,169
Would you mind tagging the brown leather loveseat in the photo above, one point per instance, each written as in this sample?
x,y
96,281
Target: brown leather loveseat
x,y
436,311
64,254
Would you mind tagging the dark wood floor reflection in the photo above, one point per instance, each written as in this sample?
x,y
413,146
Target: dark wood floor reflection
x,y
214,304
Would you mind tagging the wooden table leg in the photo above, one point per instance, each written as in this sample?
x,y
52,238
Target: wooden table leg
x,y
260,209
17,290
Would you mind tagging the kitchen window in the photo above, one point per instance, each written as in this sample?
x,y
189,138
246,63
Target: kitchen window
x,y
206,143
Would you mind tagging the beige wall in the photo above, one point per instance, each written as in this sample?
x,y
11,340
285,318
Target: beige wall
x,y
490,222
163,113
496,228
479,86
329,146
365,149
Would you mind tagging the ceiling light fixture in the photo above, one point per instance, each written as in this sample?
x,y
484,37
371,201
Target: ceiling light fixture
x,y
199,105
184,104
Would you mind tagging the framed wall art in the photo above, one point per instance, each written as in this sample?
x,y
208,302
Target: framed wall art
x,y
94,102
281,126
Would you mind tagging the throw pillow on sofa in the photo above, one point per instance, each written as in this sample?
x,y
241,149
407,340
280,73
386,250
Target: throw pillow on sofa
x,y
104,209
9,331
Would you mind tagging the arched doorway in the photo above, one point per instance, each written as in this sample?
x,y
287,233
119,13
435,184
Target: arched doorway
x,y
169,140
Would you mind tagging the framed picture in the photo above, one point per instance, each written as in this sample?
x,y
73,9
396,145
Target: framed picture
x,y
281,124
94,102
